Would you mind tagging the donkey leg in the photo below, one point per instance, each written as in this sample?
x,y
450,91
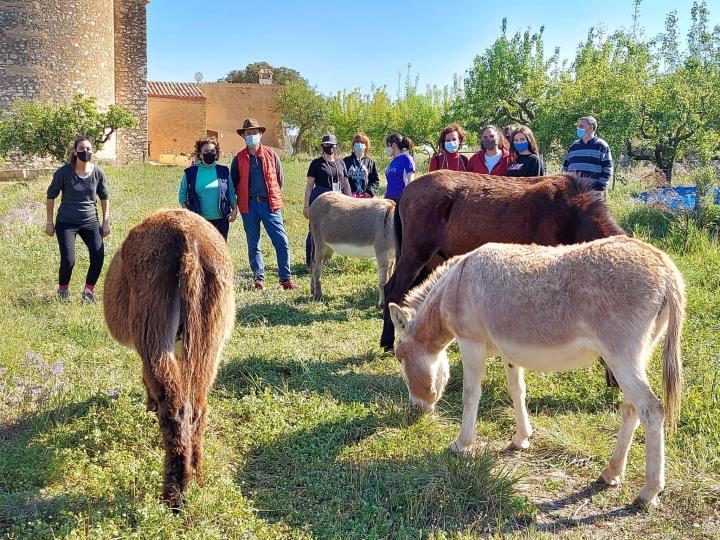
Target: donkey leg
x,y
383,268
612,474
637,391
320,257
473,360
173,418
198,440
516,385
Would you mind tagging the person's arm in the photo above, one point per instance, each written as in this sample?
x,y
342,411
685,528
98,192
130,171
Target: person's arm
x,y
182,194
233,203
540,166
234,173
49,225
105,206
410,172
344,180
373,179
607,167
566,163
280,173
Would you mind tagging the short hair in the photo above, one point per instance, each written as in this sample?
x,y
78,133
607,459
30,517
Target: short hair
x,y
202,142
590,120
532,144
449,129
364,139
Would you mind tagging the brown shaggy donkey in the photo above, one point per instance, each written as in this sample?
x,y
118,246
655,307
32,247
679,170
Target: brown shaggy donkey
x,y
169,295
447,213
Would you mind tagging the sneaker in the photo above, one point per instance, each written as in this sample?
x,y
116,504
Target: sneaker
x,y
88,297
63,294
288,284
259,284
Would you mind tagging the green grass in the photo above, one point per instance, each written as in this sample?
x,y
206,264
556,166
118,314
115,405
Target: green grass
x,y
310,434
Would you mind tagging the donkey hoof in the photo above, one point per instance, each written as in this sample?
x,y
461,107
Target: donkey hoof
x,y
457,448
644,505
608,479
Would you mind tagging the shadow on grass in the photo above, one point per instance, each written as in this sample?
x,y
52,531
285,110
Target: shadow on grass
x,y
33,456
308,480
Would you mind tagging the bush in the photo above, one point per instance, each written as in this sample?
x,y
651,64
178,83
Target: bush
x,y
37,129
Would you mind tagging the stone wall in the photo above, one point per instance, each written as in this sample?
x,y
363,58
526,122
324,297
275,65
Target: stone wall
x,y
45,55
228,104
130,19
174,125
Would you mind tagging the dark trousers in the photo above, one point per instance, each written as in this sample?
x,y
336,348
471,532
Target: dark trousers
x,y
222,225
314,194
92,236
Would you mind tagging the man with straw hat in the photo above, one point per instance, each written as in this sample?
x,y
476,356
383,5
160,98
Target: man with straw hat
x,y
257,175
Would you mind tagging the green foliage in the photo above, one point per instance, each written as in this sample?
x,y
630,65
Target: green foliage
x,y
251,74
302,108
40,129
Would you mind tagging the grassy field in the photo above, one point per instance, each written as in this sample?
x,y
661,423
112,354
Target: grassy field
x,y
310,433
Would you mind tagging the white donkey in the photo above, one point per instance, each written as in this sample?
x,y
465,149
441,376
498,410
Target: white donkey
x,y
552,309
354,228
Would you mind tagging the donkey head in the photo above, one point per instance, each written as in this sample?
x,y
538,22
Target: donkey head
x,y
590,213
426,373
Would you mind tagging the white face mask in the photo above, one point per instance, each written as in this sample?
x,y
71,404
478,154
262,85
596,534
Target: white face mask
x,y
388,150
253,140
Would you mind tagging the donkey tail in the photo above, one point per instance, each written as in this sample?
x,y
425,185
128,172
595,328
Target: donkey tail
x,y
191,285
671,360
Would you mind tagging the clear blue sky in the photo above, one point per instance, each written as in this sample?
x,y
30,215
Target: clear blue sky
x,y
338,45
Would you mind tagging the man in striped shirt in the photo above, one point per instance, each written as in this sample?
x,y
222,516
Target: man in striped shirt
x,y
589,156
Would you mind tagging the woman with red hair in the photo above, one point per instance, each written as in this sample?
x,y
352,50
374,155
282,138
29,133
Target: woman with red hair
x,y
450,142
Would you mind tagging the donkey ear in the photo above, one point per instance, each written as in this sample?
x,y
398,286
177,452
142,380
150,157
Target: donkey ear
x,y
400,318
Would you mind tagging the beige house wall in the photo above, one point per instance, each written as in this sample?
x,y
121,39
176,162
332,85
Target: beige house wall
x,y
228,104
174,124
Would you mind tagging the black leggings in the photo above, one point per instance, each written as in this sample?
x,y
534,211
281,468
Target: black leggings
x,y
222,225
91,235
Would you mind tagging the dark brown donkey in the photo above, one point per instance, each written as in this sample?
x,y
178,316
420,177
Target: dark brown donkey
x,y
447,213
169,295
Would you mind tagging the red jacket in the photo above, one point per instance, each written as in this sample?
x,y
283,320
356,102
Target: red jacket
x,y
267,159
477,164
453,162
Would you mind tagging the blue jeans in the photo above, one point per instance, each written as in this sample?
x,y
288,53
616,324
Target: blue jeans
x,y
274,226
314,194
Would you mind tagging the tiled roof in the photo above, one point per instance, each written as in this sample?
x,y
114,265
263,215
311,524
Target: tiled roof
x,y
175,89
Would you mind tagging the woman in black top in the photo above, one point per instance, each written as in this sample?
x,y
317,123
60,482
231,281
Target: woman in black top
x,y
326,173
81,184
524,154
361,169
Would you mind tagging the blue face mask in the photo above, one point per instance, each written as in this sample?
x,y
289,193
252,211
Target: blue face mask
x,y
580,132
452,146
521,146
359,148
253,140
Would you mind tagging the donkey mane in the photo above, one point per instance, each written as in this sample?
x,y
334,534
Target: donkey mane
x,y
415,297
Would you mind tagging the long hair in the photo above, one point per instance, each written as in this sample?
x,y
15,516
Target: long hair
x,y
532,144
73,148
403,143
449,129
502,141
360,137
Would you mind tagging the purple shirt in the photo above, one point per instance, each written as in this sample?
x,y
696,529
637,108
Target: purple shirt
x,y
397,175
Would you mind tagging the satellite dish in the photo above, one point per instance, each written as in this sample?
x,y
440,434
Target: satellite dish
x,y
198,77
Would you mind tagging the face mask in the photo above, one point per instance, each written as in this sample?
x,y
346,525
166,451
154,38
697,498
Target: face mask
x,y
84,156
452,146
388,150
521,146
580,132
253,140
489,144
209,157
330,150
359,148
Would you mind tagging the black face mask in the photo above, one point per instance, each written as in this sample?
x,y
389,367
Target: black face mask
x,y
209,157
84,156
329,149
489,144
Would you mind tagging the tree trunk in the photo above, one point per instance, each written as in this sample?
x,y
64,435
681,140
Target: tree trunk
x,y
665,161
298,141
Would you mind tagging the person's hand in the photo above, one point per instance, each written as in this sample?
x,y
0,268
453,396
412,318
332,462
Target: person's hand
x,y
233,215
306,212
105,229
49,229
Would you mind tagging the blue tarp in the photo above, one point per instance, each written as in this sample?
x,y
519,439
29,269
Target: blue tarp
x,y
674,197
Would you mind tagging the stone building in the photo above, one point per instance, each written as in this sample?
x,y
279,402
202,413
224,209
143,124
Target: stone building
x,y
45,55
180,113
